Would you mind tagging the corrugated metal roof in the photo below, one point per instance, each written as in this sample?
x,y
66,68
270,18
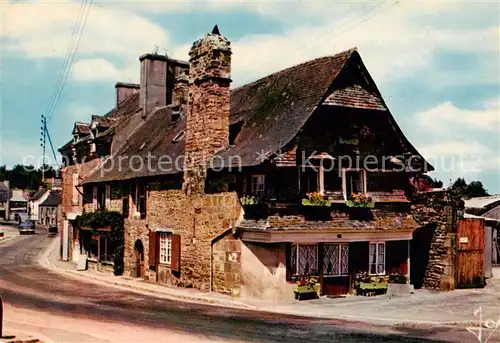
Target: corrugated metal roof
x,y
481,202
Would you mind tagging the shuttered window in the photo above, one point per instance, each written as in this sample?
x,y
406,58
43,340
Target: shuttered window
x,y
165,247
175,264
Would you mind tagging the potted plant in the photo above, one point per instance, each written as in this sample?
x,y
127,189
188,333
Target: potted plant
x,y
254,209
370,285
360,206
307,288
316,207
397,278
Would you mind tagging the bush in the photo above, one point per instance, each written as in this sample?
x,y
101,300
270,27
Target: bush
x,y
397,278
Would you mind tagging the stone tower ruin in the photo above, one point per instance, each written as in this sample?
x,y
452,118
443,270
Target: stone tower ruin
x,y
207,128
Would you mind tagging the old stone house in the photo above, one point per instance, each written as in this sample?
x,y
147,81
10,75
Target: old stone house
x,y
49,209
213,182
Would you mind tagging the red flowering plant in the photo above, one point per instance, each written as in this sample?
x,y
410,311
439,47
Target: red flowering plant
x,y
307,281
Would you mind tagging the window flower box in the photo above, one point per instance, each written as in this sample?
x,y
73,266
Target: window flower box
x,y
307,288
316,207
254,209
360,201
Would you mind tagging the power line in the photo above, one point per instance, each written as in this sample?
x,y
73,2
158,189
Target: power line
x,y
66,58
80,31
375,11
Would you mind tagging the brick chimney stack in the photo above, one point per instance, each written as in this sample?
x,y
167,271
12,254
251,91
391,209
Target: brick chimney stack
x,y
153,88
207,127
125,90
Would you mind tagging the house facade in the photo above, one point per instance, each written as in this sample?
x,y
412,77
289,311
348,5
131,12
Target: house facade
x,y
35,200
245,191
49,209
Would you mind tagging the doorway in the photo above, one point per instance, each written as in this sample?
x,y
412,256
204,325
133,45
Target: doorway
x,y
139,259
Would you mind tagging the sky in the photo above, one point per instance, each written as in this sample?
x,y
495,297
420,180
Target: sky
x,y
436,63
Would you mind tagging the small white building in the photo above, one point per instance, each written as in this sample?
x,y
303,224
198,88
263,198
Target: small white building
x,y
39,197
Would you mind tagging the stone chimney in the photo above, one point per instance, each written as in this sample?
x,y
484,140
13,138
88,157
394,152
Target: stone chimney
x,y
153,88
207,127
125,90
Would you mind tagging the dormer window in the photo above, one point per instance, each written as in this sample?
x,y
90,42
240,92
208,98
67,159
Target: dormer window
x,y
75,138
234,130
179,136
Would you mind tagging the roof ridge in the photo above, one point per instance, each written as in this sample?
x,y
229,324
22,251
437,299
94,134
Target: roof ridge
x,y
349,51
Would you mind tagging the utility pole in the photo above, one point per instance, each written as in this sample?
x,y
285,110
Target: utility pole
x,y
43,134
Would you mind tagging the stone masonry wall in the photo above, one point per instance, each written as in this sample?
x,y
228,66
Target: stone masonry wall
x,y
207,127
199,220
436,209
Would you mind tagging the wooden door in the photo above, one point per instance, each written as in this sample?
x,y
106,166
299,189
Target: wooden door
x,y
470,254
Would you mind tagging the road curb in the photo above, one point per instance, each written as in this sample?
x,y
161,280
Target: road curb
x,y
43,261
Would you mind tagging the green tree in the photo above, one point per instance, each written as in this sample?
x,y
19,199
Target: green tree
x,y
464,190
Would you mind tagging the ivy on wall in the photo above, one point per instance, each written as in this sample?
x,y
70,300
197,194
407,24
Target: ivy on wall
x,y
97,220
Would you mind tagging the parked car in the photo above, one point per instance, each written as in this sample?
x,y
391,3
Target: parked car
x,y
26,225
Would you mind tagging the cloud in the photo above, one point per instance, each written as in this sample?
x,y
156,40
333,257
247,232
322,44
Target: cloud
x,y
395,41
44,29
447,117
99,69
460,142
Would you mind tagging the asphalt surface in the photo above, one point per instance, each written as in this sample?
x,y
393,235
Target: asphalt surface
x,y
25,284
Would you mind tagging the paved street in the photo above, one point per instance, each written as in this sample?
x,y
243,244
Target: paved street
x,y
44,302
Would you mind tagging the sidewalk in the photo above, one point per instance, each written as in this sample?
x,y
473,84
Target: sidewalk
x,y
422,308
8,231
50,260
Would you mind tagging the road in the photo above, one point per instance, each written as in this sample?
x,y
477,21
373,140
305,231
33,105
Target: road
x,y
30,290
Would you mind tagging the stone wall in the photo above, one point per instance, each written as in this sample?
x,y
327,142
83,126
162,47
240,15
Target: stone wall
x,y
436,208
199,220
207,126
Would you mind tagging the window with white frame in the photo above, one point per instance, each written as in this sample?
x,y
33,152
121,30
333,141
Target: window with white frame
x,y
304,259
335,260
377,258
355,182
165,247
258,185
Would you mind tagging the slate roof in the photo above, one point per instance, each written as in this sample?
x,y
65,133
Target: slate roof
x,y
273,110
38,194
113,118
381,222
356,97
81,128
52,200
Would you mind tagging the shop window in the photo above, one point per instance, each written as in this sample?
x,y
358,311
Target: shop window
x,y
335,259
377,258
304,260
